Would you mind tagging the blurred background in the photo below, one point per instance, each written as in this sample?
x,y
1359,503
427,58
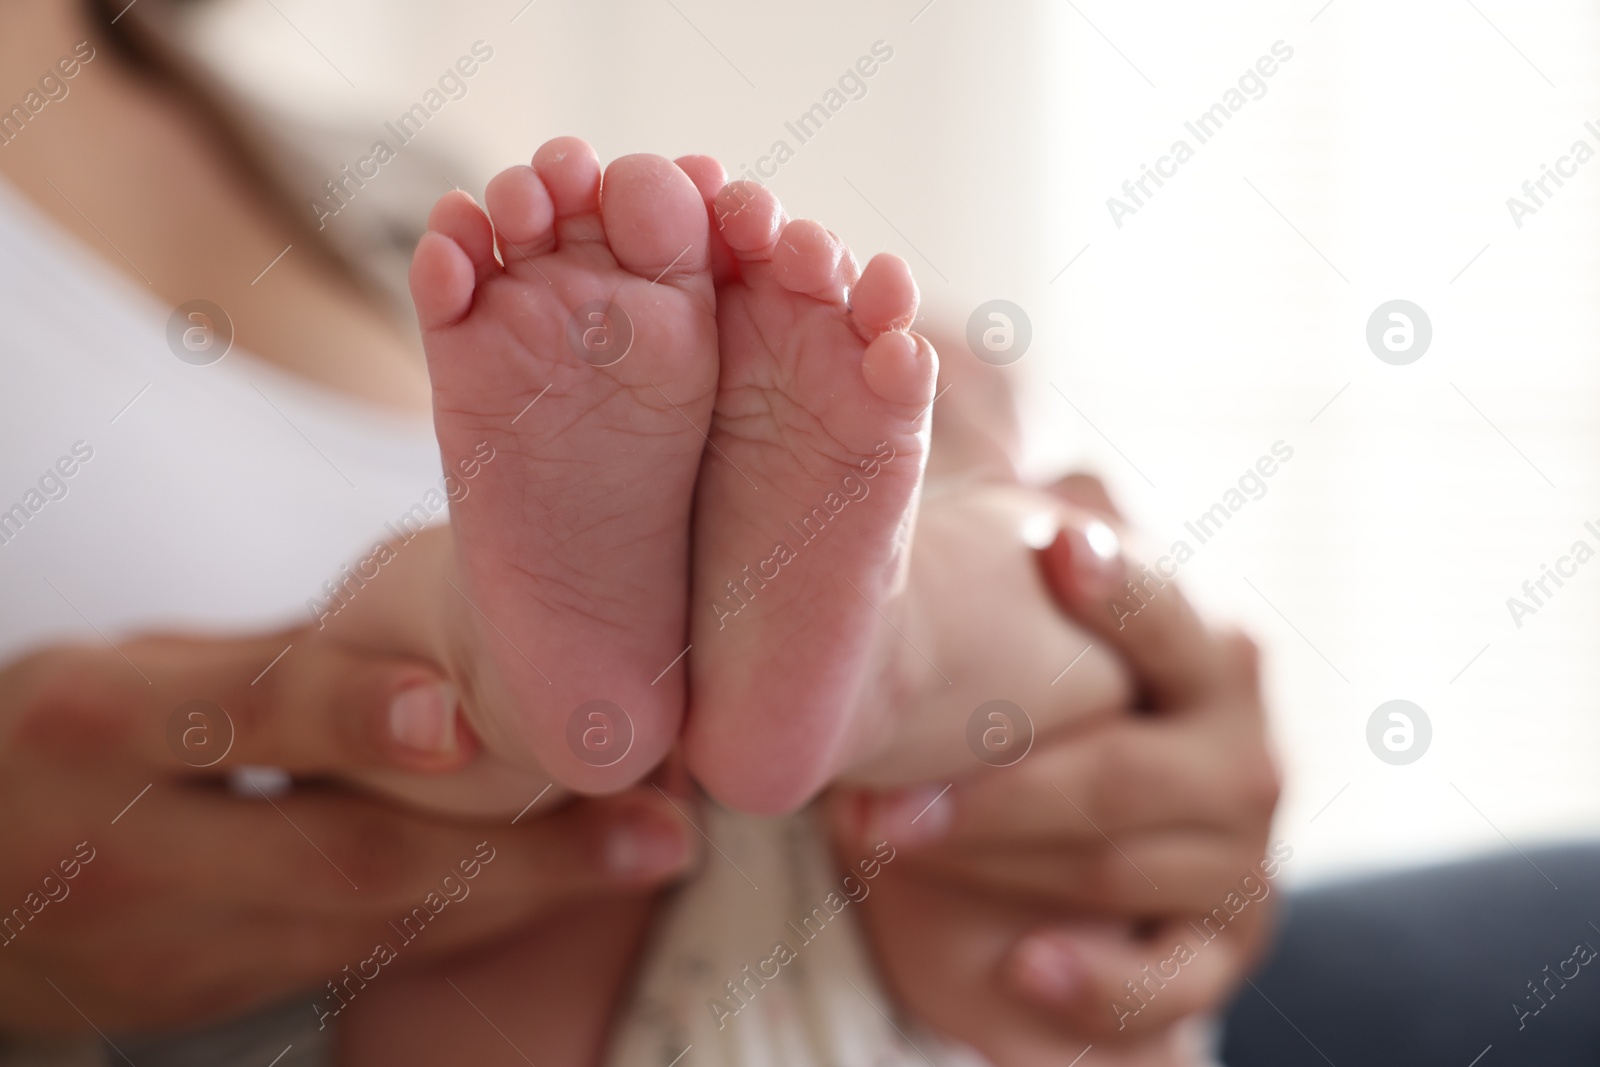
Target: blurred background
x,y
1174,344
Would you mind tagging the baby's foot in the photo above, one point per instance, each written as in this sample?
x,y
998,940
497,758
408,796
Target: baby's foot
x,y
805,503
573,541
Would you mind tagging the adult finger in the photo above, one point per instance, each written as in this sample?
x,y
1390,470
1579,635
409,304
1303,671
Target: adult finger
x,y
1136,609
1110,985
1123,777
1137,878
1117,778
291,699
347,856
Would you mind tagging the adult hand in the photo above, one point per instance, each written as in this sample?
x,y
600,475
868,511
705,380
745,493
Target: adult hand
x,y
138,892
1058,880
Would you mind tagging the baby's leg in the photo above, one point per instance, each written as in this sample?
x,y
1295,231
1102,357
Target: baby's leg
x,y
805,501
572,345
571,342
814,657
572,348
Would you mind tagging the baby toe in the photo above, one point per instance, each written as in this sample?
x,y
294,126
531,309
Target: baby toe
x,y
570,170
523,213
457,216
750,219
901,367
808,259
886,296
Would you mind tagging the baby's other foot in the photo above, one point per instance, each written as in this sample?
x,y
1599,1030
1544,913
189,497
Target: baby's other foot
x,y
585,357
805,505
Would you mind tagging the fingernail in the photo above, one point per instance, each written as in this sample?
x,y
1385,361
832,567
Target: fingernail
x,y
1040,529
646,845
912,817
1049,969
423,718
1097,557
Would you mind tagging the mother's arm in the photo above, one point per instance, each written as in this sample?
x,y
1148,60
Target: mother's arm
x,y
138,892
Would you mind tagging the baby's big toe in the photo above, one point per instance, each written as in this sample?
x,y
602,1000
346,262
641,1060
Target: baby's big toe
x,y
655,218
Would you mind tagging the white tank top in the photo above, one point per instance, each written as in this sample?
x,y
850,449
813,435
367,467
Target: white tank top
x,y
138,490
